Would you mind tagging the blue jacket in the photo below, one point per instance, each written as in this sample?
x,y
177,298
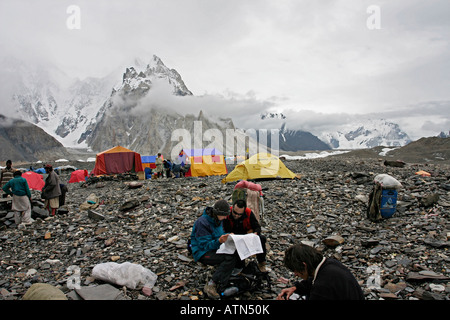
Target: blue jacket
x,y
205,236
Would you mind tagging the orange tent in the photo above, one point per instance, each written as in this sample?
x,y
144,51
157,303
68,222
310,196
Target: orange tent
x,y
78,176
35,180
117,160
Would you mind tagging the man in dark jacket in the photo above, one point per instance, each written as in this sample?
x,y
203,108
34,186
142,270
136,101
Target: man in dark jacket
x,y
242,220
167,167
51,190
323,278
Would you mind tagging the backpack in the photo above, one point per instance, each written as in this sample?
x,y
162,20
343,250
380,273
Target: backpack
x,y
251,193
383,198
250,279
239,194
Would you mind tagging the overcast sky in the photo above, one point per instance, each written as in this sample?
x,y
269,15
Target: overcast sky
x,y
318,61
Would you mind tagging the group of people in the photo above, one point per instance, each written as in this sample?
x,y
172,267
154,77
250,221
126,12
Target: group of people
x,y
13,184
322,278
212,229
178,167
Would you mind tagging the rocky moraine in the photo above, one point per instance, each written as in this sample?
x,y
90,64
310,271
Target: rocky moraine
x,y
147,223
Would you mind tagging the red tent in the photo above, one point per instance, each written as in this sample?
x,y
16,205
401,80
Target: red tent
x,y
35,180
117,160
78,176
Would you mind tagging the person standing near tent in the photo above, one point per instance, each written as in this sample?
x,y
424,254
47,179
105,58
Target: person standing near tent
x,y
168,168
184,163
159,166
176,167
21,203
51,190
206,237
7,174
242,220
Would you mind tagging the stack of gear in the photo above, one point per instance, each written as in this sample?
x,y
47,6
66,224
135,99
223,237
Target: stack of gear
x,y
383,198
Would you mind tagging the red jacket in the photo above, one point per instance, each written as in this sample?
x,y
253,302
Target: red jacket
x,y
242,225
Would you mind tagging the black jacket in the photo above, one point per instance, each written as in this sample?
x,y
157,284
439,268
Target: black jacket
x,y
333,281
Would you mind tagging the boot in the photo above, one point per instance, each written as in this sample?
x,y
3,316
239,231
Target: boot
x,y
262,266
211,290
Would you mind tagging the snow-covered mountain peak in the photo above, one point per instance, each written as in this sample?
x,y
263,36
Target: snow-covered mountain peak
x,y
66,107
141,76
367,134
273,115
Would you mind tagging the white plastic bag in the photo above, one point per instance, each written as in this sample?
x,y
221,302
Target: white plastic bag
x,y
133,276
387,181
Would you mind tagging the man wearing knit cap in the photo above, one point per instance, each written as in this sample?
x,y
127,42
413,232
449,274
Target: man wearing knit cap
x,y
206,237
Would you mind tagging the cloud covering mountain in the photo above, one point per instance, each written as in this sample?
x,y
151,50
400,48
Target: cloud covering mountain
x,y
317,62
142,105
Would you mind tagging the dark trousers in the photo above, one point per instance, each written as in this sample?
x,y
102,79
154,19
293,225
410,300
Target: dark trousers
x,y
261,257
225,264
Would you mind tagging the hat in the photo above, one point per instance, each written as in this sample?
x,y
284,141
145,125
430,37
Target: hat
x,y
221,208
48,166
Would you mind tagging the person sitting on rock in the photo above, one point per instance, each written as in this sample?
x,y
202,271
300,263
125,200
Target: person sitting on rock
x,y
206,237
242,220
323,278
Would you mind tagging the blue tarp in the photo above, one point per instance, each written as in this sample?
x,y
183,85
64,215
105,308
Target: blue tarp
x,y
148,159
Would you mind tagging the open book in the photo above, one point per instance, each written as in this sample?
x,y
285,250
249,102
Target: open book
x,y
245,244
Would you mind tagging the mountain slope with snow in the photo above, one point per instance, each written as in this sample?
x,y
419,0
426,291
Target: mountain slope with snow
x,y
132,117
367,134
129,107
61,105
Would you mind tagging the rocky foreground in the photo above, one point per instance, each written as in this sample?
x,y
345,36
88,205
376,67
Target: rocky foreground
x,y
405,257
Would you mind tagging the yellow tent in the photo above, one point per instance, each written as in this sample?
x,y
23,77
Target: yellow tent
x,y
260,166
205,162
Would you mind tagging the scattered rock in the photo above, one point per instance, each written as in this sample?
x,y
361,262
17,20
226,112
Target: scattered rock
x,y
95,215
100,292
44,291
333,241
429,200
426,275
398,163
128,205
148,222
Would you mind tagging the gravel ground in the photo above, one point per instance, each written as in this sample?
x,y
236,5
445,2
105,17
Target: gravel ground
x,y
401,258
